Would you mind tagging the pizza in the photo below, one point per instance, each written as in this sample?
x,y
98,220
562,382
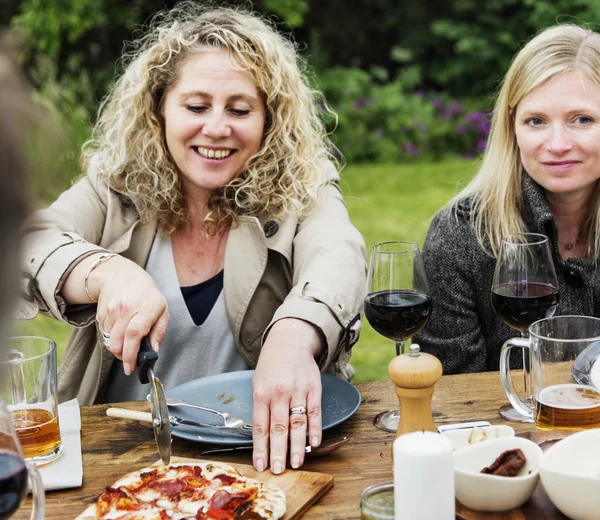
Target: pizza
x,y
188,491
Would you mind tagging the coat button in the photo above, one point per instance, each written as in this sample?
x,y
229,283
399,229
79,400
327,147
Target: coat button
x,y
573,278
271,227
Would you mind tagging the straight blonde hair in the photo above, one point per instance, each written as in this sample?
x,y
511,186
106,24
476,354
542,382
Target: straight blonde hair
x,y
495,190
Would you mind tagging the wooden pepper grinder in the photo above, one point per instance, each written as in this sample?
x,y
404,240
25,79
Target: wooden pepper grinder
x,y
415,375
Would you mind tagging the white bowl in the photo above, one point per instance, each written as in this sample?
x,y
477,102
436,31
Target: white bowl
x,y
465,437
570,472
483,492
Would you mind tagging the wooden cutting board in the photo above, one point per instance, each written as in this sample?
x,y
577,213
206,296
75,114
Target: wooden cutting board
x,y
302,488
538,507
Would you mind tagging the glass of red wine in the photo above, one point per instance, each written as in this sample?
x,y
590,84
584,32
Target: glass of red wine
x,y
398,302
14,472
524,290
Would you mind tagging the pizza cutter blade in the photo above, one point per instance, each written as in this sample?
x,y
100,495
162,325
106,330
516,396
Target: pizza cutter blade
x,y
158,404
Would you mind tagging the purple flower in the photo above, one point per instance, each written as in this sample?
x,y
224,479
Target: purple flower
x,y
485,128
461,129
455,108
477,117
437,103
362,102
377,133
481,145
447,115
411,149
420,92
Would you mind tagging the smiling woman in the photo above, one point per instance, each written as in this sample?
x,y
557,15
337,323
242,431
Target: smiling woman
x,y
539,174
214,121
210,220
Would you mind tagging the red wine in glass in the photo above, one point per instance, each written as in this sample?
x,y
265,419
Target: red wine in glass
x,y
398,314
519,304
15,472
524,290
398,302
13,483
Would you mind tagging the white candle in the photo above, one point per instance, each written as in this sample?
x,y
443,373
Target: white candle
x,y
423,477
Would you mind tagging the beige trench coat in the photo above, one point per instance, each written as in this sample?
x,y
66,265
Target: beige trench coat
x,y
313,269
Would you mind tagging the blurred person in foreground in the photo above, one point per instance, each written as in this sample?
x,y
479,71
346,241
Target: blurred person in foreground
x,y
539,174
15,118
209,181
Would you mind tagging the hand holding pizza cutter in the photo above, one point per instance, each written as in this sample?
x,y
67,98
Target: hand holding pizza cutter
x,y
158,404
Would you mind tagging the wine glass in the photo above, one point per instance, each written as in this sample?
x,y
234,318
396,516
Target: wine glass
x,y
14,472
398,302
524,290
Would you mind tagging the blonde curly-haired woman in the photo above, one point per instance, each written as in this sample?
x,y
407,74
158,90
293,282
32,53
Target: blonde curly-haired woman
x,y
210,219
539,174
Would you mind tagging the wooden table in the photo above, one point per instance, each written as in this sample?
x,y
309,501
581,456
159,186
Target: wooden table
x,y
113,447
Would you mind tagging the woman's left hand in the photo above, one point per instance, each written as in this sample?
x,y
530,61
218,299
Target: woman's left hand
x,y
286,378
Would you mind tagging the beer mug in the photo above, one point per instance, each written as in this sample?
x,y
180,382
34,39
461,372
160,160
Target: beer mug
x,y
560,402
28,381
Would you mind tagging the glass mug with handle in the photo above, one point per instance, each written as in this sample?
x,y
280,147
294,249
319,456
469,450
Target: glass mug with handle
x,y
14,472
561,402
28,384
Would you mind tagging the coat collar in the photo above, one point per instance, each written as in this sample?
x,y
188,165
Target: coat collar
x,y
536,212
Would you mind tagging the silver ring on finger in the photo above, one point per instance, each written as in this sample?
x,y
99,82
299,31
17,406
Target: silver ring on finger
x,y
298,410
105,339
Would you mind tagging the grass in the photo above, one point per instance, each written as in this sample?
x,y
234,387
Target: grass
x,y
386,202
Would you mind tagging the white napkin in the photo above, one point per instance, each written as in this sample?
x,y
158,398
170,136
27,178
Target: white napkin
x,y
67,470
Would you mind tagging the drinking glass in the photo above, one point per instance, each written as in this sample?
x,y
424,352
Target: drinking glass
x,y
555,346
28,382
398,302
524,290
14,472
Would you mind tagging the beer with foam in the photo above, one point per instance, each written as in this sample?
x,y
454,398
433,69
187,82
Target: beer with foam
x,y
567,407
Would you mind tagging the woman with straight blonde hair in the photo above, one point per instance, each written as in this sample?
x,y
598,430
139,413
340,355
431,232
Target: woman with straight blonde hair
x,y
539,174
210,220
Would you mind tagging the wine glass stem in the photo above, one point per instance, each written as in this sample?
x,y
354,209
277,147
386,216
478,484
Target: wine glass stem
x,y
526,372
401,347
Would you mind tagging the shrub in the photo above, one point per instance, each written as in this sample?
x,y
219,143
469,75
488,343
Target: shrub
x,y
381,121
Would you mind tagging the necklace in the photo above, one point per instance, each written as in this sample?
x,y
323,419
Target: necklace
x,y
569,245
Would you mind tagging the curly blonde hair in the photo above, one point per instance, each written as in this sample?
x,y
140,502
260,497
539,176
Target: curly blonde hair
x,y
128,145
496,189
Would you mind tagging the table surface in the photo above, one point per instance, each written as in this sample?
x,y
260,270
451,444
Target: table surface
x,y
114,447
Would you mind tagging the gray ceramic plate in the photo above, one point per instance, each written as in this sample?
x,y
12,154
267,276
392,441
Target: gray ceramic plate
x,y
232,393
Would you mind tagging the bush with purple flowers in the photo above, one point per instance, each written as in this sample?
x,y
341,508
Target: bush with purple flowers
x,y
396,121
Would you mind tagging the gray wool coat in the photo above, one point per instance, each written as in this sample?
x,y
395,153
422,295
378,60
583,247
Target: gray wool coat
x,y
463,331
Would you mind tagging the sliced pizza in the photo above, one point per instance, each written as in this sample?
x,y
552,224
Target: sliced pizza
x,y
184,490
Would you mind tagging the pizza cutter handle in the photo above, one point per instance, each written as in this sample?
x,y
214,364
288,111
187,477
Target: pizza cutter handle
x,y
145,360
123,413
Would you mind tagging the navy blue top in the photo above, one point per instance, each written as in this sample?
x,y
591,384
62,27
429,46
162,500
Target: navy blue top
x,y
201,298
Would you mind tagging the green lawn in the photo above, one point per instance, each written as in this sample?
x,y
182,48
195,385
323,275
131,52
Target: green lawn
x,y
386,202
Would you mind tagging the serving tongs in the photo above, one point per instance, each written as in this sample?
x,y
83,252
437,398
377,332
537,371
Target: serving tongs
x,y
159,416
228,421
174,421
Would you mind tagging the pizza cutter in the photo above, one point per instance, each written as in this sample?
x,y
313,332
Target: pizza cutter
x,y
158,404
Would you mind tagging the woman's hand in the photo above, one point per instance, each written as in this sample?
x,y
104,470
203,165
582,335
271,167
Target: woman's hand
x,y
130,305
286,377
